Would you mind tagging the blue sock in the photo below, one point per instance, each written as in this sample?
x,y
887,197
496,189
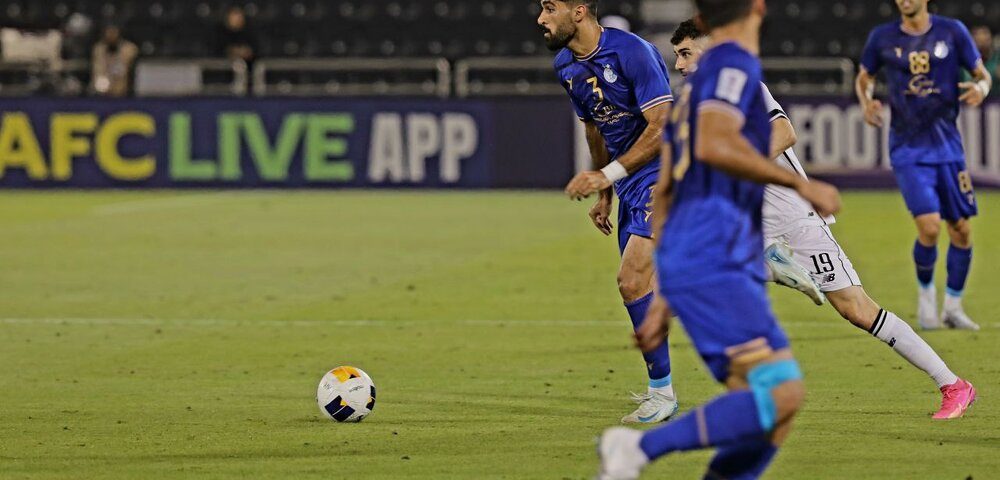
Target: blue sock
x,y
743,461
959,261
726,420
925,258
657,361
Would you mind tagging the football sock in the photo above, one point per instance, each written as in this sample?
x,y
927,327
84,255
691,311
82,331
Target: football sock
x,y
959,260
728,419
897,334
657,361
743,461
925,257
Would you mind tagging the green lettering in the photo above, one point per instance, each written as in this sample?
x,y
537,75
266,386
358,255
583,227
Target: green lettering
x,y
182,166
272,164
320,148
229,145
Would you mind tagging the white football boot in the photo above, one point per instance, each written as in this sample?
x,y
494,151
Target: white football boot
x,y
953,316
654,407
786,271
621,457
927,309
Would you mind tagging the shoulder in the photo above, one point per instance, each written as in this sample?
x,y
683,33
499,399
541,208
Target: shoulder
x,y
627,42
953,24
731,56
563,59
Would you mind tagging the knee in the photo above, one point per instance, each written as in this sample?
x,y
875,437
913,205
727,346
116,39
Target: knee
x,y
631,286
929,232
788,397
778,391
960,233
855,307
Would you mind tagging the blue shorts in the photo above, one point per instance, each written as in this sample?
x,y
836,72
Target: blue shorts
x,y
944,188
729,312
635,212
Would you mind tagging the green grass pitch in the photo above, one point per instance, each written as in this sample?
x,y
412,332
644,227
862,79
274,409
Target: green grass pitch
x,y
182,334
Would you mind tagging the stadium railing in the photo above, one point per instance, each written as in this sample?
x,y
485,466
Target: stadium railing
x,y
529,76
501,76
352,77
810,75
191,77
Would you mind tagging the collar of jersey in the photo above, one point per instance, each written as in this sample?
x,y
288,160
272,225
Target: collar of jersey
x,y
600,43
930,25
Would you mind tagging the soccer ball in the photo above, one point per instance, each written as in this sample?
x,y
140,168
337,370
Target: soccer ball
x,y
346,394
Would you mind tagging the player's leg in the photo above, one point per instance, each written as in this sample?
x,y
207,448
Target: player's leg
x,y
764,381
854,304
636,282
918,184
958,205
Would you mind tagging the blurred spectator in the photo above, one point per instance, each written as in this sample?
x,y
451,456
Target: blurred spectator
x,y
111,63
991,56
236,40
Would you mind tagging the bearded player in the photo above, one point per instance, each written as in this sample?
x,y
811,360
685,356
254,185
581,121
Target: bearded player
x,y
923,56
790,220
618,86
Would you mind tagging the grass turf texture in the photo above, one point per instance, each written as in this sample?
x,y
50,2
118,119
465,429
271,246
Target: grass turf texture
x,y
181,334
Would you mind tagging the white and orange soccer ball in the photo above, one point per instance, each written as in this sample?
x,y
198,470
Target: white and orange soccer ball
x,y
346,394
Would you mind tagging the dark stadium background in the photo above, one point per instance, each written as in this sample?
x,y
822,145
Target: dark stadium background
x,y
439,93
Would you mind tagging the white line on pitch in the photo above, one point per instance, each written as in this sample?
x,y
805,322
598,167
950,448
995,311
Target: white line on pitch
x,y
153,204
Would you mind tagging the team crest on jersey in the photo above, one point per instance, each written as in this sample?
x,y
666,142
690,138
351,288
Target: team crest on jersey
x,y
941,50
610,74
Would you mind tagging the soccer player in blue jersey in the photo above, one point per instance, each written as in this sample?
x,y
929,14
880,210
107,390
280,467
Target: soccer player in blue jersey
x,y
922,56
618,86
710,263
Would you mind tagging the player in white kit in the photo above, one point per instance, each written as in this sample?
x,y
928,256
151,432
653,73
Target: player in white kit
x,y
802,252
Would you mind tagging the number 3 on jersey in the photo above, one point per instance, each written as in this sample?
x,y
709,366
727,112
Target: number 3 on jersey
x,y
597,90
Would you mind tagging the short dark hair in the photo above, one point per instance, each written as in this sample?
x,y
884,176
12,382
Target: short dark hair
x,y
716,13
590,4
687,29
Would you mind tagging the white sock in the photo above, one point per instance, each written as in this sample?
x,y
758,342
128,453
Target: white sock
x,y
667,390
894,331
952,303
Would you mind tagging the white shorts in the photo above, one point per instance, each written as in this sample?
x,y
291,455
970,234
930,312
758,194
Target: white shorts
x,y
819,253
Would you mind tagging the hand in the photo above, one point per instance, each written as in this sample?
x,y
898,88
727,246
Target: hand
x,y
653,331
873,113
972,95
585,184
824,197
600,214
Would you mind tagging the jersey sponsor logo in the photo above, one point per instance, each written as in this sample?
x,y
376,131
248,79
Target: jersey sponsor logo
x,y
609,75
941,49
921,86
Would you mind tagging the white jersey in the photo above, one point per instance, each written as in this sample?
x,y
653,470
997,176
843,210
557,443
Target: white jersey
x,y
784,210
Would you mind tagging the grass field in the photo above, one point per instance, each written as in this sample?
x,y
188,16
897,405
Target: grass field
x,y
182,334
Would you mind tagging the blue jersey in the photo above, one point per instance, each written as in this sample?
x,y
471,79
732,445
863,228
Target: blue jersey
x,y
714,226
612,87
923,72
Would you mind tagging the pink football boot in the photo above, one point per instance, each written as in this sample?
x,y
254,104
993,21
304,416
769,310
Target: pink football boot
x,y
958,397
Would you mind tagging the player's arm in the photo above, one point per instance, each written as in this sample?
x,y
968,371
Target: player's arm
x,y
978,89
600,213
643,151
864,87
782,136
721,144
